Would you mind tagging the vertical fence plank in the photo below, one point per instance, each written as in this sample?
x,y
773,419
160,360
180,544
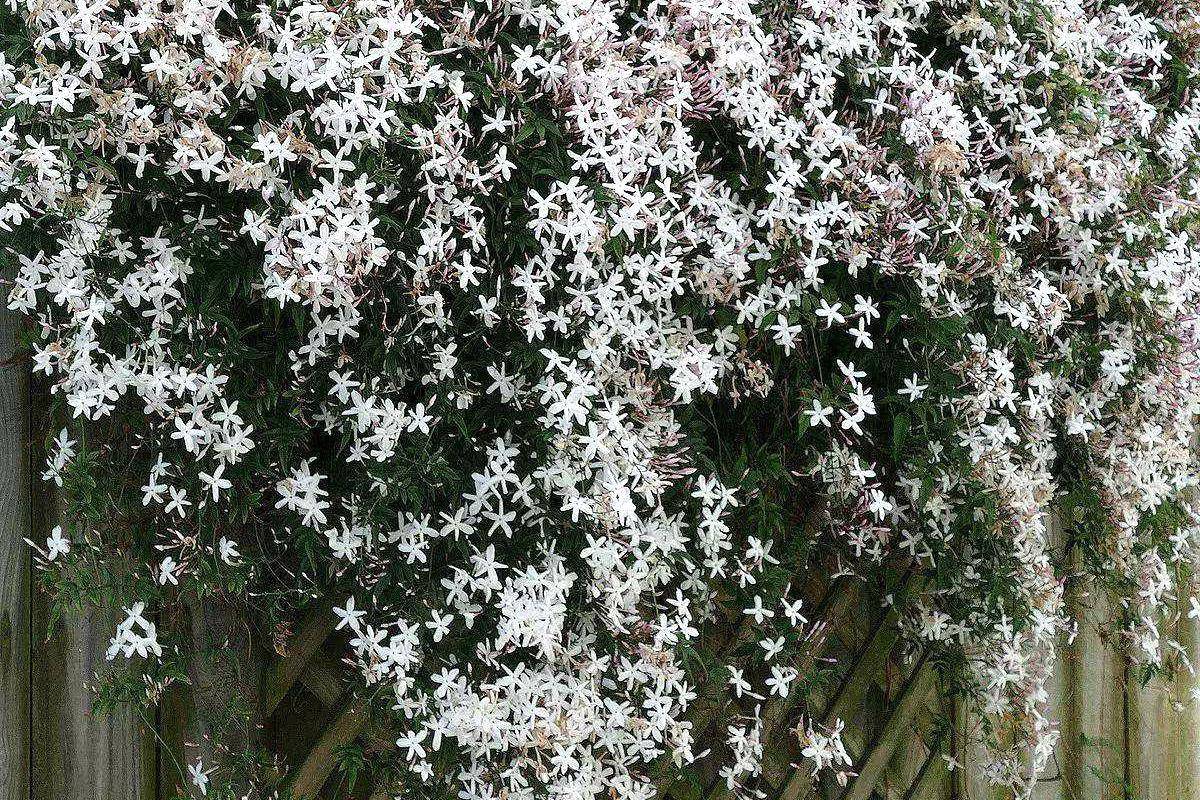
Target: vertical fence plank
x,y
14,568
1164,720
1093,723
1053,783
181,741
223,663
968,779
77,755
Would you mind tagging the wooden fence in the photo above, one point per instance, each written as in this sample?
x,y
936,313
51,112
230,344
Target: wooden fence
x,y
1121,741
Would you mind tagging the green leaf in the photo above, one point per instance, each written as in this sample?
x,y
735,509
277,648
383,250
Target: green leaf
x,y
900,427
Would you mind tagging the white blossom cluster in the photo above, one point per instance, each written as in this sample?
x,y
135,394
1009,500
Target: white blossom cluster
x,y
444,303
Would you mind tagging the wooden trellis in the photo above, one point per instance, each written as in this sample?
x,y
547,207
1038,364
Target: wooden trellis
x,y
1120,740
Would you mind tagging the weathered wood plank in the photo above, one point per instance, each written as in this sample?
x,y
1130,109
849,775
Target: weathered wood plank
x,y
308,779
14,566
1093,722
849,695
914,754
932,781
967,779
1164,731
77,754
283,673
321,678
1054,783
221,700
899,724
1087,698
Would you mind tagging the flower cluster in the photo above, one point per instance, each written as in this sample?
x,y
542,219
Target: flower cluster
x,y
559,334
